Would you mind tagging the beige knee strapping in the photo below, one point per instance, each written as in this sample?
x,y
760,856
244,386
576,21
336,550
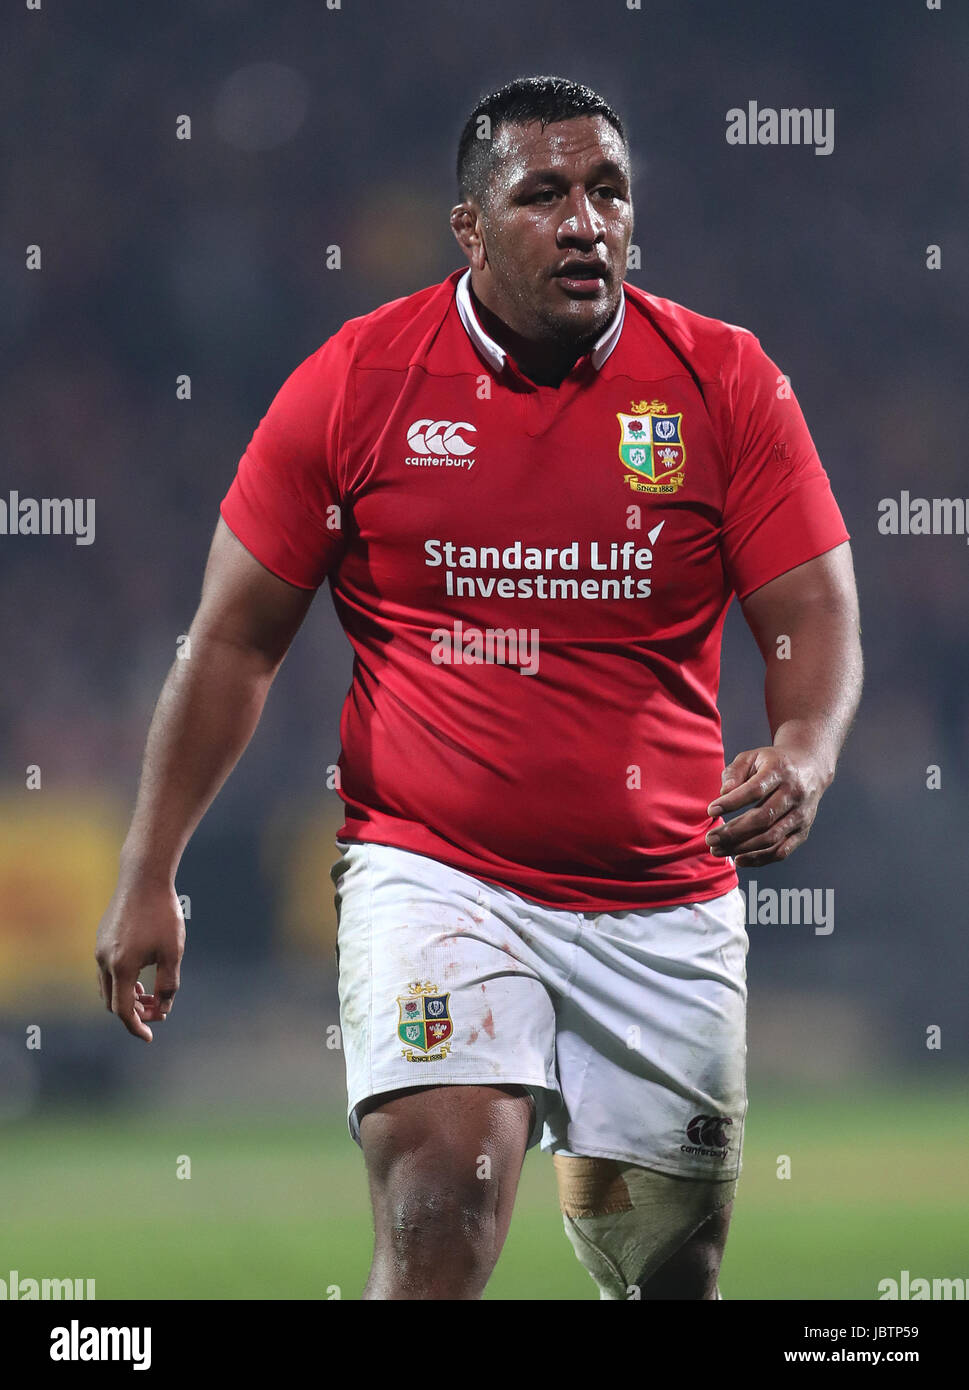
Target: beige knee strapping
x,y
624,1222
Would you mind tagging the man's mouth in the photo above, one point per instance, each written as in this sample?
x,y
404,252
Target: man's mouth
x,y
582,278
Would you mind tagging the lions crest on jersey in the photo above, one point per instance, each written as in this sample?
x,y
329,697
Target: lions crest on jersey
x,y
651,444
425,1022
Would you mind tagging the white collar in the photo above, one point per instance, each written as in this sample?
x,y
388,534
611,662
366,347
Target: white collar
x,y
496,355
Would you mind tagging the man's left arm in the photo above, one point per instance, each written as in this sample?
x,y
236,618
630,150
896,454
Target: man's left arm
x,y
807,627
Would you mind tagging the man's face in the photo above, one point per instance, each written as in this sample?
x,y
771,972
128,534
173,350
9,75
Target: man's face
x,y
555,228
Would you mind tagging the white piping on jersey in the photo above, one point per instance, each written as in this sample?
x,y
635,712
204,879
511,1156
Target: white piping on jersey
x,y
493,353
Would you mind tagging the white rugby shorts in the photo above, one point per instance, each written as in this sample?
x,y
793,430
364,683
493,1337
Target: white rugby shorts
x,y
628,1027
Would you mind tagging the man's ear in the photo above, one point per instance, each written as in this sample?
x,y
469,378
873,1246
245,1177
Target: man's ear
x,y
466,226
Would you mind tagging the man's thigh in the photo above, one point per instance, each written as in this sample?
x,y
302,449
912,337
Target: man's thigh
x,y
448,1139
443,1164
431,993
642,1233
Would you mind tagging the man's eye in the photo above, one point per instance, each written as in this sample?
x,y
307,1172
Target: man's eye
x,y
610,192
543,195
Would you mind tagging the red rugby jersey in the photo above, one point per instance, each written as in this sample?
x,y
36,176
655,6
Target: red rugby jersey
x,y
534,580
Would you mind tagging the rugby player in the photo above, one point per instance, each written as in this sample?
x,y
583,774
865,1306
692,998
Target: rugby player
x,y
534,490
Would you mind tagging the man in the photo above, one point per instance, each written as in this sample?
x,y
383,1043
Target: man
x,y
534,492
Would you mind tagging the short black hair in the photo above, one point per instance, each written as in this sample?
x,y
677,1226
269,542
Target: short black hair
x,y
544,99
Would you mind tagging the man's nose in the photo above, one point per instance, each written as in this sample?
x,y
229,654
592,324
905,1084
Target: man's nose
x,y
581,223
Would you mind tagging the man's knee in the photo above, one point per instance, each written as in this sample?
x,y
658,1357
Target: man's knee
x,y
443,1168
433,1211
641,1233
691,1272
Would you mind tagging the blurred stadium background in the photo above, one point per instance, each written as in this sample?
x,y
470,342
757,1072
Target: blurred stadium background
x,y
314,127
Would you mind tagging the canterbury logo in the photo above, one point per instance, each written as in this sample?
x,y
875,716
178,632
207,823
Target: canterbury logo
x,y
708,1131
439,437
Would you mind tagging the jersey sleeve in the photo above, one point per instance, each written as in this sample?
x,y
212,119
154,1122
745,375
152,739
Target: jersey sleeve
x,y
779,509
286,501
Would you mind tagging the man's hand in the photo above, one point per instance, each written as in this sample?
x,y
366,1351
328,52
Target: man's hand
x,y
784,792
142,926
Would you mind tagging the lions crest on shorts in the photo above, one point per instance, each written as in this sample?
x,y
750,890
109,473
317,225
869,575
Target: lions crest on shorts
x,y
425,1022
651,443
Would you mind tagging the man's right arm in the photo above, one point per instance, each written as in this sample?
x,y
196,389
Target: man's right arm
x,y
206,714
